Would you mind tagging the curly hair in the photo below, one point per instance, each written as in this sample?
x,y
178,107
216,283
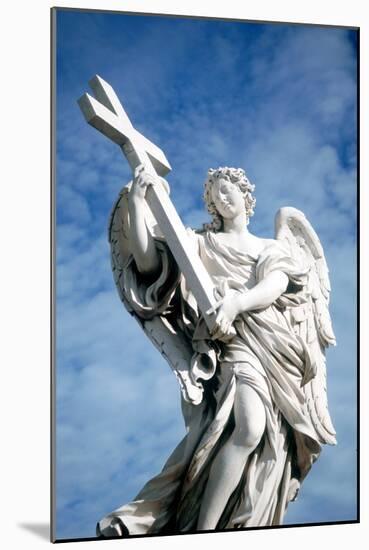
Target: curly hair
x,y
236,176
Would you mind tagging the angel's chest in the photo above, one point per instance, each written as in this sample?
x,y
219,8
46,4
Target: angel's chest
x,y
246,247
240,270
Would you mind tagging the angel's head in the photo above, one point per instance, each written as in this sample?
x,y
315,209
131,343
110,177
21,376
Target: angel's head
x,y
221,182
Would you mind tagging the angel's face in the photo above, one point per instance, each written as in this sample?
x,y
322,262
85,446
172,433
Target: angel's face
x,y
228,198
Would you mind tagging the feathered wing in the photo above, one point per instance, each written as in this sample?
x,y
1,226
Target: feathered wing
x,y
311,320
171,344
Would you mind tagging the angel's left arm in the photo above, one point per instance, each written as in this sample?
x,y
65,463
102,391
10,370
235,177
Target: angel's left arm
x,y
264,293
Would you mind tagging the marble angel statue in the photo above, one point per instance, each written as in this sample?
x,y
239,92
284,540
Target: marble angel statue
x,y
254,394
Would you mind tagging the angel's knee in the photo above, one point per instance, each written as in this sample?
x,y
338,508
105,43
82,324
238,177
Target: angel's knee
x,y
248,436
250,417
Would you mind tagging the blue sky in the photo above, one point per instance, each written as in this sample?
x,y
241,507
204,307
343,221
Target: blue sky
x,y
276,100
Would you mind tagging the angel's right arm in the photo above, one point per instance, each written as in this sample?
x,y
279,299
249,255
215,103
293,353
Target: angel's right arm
x,y
142,243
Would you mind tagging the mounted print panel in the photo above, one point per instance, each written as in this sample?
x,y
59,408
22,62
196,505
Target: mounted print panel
x,y
205,193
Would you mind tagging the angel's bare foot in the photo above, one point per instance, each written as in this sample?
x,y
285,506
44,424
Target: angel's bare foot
x,y
115,528
293,490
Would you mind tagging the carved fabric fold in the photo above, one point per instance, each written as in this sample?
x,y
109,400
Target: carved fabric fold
x,y
267,355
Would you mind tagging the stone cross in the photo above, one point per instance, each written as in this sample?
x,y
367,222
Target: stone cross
x,y
107,115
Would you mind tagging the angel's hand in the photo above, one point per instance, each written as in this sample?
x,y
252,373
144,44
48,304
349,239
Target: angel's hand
x,y
227,310
140,183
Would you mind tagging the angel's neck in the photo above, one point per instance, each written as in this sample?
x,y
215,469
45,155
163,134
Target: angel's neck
x,y
236,225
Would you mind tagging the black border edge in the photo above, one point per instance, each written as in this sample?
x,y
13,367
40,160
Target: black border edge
x,y
358,500
215,532
53,41
207,17
53,12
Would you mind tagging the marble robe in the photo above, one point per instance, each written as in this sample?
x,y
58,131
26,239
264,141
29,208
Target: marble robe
x,y
266,354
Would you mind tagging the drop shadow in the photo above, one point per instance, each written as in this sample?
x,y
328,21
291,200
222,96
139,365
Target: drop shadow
x,y
42,530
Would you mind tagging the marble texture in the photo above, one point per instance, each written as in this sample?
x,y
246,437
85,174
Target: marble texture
x,y
107,115
243,323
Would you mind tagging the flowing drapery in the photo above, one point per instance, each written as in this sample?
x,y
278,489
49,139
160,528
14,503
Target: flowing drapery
x,y
266,354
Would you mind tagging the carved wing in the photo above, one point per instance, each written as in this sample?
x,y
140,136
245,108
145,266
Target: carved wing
x,y
171,344
311,320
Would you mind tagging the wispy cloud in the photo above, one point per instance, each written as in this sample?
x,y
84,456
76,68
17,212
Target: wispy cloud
x,y
276,100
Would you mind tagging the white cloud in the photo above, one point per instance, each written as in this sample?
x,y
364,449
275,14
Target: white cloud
x,y
273,107
73,205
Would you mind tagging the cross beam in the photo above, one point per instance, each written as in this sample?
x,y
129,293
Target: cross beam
x,y
106,114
